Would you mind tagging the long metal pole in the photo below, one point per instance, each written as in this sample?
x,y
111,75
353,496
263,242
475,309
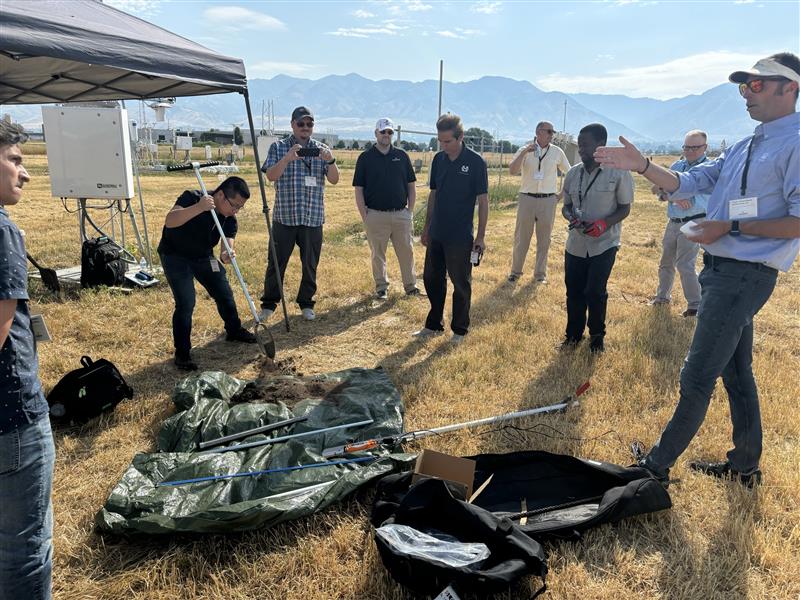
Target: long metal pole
x,y
256,430
273,253
439,113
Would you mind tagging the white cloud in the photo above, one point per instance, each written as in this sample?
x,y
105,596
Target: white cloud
x,y
139,8
744,1
362,14
673,79
459,34
239,17
409,6
449,34
361,32
270,68
487,8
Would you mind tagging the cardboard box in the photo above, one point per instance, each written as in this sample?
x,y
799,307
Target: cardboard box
x,y
455,469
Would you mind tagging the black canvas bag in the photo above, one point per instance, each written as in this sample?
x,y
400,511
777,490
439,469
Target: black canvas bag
x,y
101,263
434,504
564,495
84,393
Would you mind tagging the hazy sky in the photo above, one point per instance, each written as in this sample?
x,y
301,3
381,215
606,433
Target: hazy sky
x,y
661,49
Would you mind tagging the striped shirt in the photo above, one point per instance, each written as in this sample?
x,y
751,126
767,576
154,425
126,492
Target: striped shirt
x,y
297,202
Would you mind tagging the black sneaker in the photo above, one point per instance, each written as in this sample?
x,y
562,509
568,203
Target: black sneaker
x,y
381,294
640,456
723,470
596,345
242,335
415,292
185,363
569,344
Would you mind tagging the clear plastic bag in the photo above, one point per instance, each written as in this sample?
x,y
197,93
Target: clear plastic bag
x,y
433,546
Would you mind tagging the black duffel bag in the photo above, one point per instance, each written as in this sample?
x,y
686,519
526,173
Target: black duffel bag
x,y
84,393
101,263
431,505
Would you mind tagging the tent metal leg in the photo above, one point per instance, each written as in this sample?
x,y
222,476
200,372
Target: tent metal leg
x,y
272,251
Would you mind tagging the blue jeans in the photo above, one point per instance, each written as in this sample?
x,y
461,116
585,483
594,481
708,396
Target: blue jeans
x,y
26,514
732,293
181,273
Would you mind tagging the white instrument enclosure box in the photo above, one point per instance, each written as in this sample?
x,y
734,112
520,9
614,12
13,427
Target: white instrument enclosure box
x,y
88,152
183,142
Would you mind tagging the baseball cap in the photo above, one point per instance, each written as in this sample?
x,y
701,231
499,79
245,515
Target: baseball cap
x,y
766,67
300,112
384,123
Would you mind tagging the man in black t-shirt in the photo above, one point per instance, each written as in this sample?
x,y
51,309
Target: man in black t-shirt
x,y
384,183
458,178
187,253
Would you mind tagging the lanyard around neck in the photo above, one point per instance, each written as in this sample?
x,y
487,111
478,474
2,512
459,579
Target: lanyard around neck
x,y
581,191
541,158
746,167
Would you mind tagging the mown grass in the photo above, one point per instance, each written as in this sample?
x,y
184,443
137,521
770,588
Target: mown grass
x,y
719,541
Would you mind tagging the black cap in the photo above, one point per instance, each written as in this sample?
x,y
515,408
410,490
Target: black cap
x,y
300,112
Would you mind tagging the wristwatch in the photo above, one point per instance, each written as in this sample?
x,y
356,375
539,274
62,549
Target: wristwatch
x,y
735,229
331,161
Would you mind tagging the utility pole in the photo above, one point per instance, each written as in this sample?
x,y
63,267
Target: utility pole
x,y
439,114
564,129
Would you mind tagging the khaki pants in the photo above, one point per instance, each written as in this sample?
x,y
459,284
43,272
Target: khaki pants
x,y
681,254
538,214
382,226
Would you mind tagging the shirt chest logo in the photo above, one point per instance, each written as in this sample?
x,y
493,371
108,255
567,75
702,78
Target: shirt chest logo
x,y
465,169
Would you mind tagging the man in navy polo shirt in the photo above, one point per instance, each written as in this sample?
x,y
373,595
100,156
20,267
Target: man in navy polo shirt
x,y
385,190
458,178
27,452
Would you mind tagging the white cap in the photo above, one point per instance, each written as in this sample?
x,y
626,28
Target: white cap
x,y
384,123
766,67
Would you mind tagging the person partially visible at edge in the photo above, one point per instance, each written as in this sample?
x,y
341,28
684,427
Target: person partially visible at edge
x,y
539,164
299,209
187,253
27,452
458,179
596,200
677,251
385,190
751,231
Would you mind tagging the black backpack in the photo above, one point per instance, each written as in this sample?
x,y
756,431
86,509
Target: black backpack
x,y
84,393
101,263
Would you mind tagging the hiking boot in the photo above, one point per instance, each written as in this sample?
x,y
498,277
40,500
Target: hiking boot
x,y
381,294
596,345
241,335
723,470
689,312
185,363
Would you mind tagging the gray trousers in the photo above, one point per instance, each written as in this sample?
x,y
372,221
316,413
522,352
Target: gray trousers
x,y
681,254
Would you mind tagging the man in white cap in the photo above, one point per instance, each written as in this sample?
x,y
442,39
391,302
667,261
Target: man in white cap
x,y
752,231
384,183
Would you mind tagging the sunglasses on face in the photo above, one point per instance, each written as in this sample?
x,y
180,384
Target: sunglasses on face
x,y
305,124
386,132
757,85
693,148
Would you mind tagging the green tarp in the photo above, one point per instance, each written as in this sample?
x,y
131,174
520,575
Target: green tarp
x,y
214,404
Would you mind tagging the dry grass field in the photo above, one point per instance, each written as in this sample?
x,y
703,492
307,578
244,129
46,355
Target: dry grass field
x,y
718,541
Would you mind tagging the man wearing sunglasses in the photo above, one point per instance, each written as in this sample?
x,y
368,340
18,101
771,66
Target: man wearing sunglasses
x,y
752,231
384,184
187,253
298,166
678,252
539,164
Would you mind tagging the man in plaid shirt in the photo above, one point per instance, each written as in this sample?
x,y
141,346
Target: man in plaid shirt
x,y
299,212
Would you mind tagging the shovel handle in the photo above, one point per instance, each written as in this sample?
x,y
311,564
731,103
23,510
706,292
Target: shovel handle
x,y
191,165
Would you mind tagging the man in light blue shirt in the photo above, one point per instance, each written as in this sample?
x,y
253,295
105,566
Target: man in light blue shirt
x,y
678,252
751,232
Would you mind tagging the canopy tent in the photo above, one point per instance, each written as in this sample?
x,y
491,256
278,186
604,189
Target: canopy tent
x,y
84,50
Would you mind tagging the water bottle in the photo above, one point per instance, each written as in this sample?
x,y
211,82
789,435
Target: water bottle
x,y
143,265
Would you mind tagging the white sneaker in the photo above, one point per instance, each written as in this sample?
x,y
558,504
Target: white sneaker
x,y
265,314
456,339
308,314
426,333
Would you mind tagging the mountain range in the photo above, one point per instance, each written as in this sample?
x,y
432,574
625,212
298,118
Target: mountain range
x,y
349,105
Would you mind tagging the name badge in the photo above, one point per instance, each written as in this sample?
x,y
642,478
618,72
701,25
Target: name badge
x,y
538,175
214,265
311,181
743,208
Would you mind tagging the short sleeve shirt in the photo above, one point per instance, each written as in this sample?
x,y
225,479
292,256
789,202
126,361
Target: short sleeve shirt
x,y
21,398
457,184
596,195
198,236
384,177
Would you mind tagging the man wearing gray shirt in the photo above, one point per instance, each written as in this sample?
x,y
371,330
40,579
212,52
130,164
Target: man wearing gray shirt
x,y
596,200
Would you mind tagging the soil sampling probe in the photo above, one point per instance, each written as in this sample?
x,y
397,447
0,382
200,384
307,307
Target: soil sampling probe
x,y
394,440
259,329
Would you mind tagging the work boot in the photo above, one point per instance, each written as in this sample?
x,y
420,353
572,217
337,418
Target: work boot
x,y
241,335
569,343
723,470
596,344
185,362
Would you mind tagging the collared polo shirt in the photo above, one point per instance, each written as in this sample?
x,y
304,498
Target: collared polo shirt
x,y
773,178
607,188
21,398
699,201
457,184
198,236
553,160
384,177
295,202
